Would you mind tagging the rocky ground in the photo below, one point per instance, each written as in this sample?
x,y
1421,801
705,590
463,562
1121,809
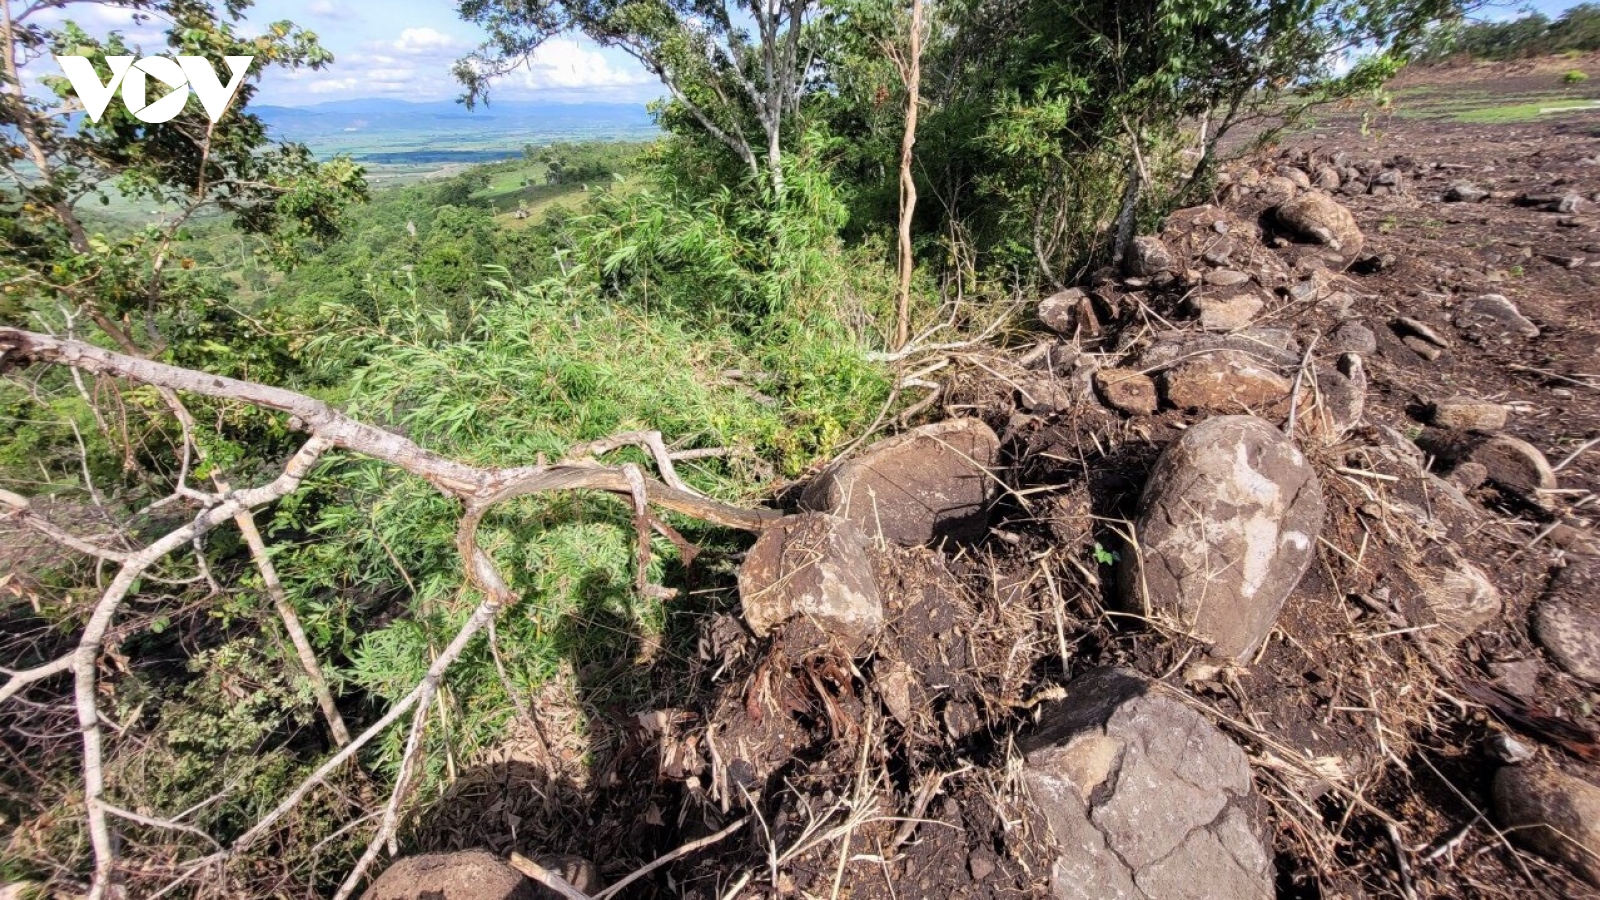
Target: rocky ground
x,y
1265,567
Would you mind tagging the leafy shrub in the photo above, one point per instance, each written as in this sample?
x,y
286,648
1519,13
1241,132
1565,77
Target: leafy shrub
x,y
1576,76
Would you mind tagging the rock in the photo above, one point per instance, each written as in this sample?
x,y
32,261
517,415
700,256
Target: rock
x,y
1296,175
1551,813
1494,316
929,483
1466,414
1226,278
1405,326
1328,179
1278,189
1516,465
1517,677
1461,598
1469,475
467,875
1227,312
1227,526
1225,381
816,566
1319,218
1271,346
1354,337
1127,390
1146,799
1563,260
1507,749
1341,398
1566,620
1069,312
575,870
1422,348
1465,192
1147,257
1045,394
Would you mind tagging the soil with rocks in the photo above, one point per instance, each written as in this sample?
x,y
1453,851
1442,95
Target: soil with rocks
x,y
1266,567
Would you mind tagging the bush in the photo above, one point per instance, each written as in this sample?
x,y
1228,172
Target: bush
x,y
1576,76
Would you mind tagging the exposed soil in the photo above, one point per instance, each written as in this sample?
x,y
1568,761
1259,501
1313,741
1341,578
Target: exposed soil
x,y
894,775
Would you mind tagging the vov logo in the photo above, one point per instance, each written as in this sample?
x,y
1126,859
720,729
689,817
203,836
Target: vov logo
x,y
182,74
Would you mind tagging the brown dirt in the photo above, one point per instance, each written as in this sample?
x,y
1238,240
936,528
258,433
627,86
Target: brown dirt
x,y
1360,706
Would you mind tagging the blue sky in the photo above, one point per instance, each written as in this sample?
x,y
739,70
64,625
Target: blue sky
x,y
404,48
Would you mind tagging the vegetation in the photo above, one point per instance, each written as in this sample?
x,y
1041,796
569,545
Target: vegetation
x,y
261,585
1575,31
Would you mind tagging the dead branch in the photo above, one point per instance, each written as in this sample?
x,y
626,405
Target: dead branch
x,y
484,487
479,490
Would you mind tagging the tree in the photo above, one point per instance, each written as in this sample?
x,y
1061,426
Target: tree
x,y
67,267
731,84
1053,115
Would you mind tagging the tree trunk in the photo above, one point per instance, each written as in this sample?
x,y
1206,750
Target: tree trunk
x,y
912,74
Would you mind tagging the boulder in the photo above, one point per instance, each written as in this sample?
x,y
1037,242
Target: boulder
x,y
928,484
1225,381
1467,414
813,566
467,875
1494,317
1566,620
1551,813
1148,257
1318,218
1127,390
1227,526
1146,800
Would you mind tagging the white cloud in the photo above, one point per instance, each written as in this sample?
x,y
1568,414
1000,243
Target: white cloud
x,y
333,9
417,41
564,63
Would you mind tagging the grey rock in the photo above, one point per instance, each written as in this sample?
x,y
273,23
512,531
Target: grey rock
x,y
1425,349
1405,326
1328,179
1147,257
1068,312
1275,347
1517,677
1228,525
1127,390
1461,598
1317,217
1226,277
1467,414
1551,813
1566,620
1464,192
1146,799
1495,317
1354,337
1515,465
814,566
927,484
467,875
1508,749
1225,381
1227,311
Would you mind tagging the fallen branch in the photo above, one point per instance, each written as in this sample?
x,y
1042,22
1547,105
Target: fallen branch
x,y
479,489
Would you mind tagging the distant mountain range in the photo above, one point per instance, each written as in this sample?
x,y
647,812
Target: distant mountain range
x,y
398,131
